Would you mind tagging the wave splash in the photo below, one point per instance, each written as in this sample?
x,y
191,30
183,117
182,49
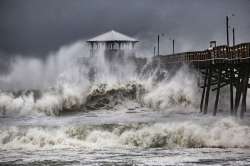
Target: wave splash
x,y
50,102
69,97
82,84
224,133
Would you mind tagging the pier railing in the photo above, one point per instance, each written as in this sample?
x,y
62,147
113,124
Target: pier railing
x,y
219,66
221,54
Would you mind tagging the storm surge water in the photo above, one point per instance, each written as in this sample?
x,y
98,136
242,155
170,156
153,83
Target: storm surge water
x,y
72,109
64,83
225,133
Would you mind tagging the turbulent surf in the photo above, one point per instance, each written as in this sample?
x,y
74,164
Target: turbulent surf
x,y
88,111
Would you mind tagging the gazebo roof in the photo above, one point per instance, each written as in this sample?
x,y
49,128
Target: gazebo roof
x,y
112,36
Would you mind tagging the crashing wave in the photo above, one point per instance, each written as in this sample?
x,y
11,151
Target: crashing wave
x,y
179,90
49,102
106,97
68,99
225,133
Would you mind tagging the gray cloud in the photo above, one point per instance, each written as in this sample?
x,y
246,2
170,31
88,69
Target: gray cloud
x,y
35,27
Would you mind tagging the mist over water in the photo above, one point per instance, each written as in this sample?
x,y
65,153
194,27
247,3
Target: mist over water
x,y
63,81
71,103
34,73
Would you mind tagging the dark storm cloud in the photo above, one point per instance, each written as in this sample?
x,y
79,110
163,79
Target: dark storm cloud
x,y
35,27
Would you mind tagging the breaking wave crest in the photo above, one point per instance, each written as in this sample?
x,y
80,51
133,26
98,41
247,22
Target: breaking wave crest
x,y
180,90
104,96
83,83
67,99
225,133
50,102
85,95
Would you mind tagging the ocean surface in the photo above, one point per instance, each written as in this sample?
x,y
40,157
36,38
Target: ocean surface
x,y
131,136
108,114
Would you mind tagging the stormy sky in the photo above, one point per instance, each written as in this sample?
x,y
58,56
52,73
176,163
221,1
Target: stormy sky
x,y
36,27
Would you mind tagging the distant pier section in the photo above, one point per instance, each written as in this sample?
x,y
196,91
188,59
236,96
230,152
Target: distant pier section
x,y
220,66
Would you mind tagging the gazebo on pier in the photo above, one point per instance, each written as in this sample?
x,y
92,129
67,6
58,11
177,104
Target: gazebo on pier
x,y
113,43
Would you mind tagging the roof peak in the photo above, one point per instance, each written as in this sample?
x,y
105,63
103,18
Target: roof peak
x,y
112,35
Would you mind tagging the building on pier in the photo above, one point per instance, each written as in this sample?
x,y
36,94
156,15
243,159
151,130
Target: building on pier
x,y
114,44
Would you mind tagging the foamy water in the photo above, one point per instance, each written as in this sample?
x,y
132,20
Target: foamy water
x,y
117,117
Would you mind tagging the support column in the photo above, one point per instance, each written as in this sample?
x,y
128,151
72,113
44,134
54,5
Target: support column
x,y
204,90
244,92
231,90
238,92
158,45
208,88
217,92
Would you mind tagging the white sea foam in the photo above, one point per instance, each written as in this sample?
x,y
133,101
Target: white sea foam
x,y
180,90
62,80
225,133
64,85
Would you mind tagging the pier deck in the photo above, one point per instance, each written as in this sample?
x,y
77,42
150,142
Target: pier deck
x,y
220,66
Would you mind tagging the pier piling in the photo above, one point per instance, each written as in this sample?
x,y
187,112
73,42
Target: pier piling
x,y
220,67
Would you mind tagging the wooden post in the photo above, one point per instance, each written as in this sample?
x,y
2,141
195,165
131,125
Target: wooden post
x,y
233,37
173,46
244,92
231,90
158,45
203,91
208,88
237,97
238,92
154,51
227,27
218,92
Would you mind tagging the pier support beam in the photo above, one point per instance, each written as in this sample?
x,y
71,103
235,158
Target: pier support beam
x,y
244,91
231,90
238,92
208,89
203,90
217,92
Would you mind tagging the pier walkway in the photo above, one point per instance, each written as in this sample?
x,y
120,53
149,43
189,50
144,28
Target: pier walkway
x,y
219,66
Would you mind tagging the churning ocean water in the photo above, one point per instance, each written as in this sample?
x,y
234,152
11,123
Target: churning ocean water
x,y
115,116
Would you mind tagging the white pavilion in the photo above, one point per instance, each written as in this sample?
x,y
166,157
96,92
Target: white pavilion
x,y
113,43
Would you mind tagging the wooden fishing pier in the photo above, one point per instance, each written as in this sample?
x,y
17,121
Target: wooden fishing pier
x,y
219,67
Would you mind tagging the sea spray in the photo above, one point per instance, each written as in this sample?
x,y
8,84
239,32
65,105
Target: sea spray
x,y
178,90
50,102
13,105
112,85
63,81
33,73
68,95
106,97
